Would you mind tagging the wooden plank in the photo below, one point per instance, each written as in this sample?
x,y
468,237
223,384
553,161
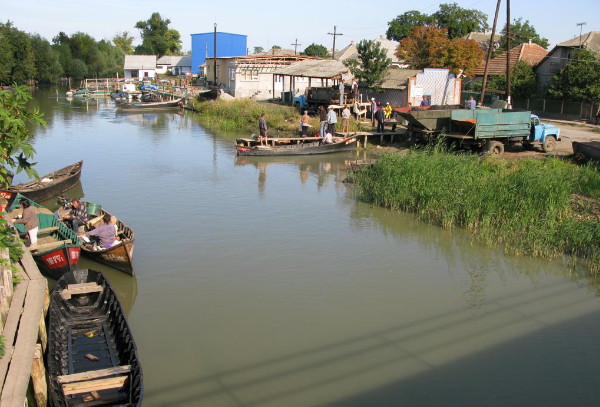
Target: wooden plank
x,y
38,377
28,266
50,246
42,231
10,327
19,373
83,288
93,385
93,374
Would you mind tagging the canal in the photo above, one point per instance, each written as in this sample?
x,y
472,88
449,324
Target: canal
x,y
263,282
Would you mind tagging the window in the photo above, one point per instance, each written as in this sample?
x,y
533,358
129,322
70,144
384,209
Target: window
x,y
135,73
232,74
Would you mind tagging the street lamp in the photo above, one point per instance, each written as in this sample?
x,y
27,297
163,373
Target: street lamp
x,y
580,29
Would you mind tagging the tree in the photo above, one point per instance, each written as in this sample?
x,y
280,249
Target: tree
x,y
521,32
47,62
316,50
523,82
259,50
372,64
401,25
124,42
19,52
579,80
459,21
430,47
16,121
157,38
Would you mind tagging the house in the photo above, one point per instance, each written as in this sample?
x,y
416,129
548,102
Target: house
x,y
484,38
139,66
562,54
351,52
530,53
252,75
177,64
394,87
228,45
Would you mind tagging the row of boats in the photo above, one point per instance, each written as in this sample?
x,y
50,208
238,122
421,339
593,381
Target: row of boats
x,y
92,357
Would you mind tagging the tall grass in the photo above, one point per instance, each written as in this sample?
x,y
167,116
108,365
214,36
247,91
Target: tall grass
x,y
529,206
243,115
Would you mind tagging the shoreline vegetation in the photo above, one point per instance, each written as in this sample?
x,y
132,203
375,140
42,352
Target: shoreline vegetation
x,y
540,207
242,115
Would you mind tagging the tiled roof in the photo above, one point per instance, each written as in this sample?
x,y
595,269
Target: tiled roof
x,y
528,52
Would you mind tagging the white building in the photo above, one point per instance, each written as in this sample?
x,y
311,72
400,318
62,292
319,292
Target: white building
x,y
139,66
177,64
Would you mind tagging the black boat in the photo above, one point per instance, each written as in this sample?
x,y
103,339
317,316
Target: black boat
x,y
587,150
50,185
92,358
294,146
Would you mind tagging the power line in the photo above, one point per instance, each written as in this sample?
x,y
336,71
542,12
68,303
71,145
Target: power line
x,y
335,34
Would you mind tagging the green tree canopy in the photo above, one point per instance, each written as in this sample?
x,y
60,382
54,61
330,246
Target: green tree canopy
x,y
18,51
124,42
521,32
523,82
460,21
400,27
46,61
259,50
579,80
372,64
316,50
157,38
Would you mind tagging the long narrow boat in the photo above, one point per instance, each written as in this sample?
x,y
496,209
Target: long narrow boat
x,y
294,146
92,357
50,185
587,150
151,105
120,255
58,247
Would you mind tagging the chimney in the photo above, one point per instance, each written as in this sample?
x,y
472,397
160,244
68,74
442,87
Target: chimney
x,y
530,41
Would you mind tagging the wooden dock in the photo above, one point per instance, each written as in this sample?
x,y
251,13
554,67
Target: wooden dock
x,y
400,132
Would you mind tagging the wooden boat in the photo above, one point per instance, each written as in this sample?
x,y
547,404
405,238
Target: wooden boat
x,y
92,357
58,247
50,185
151,105
294,146
119,256
587,150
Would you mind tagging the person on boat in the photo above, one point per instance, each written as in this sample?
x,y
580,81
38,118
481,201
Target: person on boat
x,y
31,222
104,234
331,119
327,139
305,123
346,120
262,129
77,217
323,121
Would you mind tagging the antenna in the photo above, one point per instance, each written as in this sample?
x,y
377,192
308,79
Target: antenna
x,y
580,30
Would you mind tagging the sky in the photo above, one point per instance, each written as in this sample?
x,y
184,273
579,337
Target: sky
x,y
282,23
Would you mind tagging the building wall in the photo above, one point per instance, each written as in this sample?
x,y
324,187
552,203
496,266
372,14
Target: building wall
x,y
442,87
228,45
556,60
139,73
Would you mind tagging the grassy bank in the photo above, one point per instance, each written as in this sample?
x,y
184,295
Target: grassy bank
x,y
243,115
544,208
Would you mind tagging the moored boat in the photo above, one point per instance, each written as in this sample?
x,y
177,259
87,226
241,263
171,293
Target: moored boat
x,y
119,255
58,247
50,185
294,146
92,357
587,150
176,103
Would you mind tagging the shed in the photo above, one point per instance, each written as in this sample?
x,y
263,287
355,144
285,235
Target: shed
x,y
139,66
177,64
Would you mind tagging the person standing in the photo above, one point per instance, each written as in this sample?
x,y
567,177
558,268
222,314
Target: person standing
x,y
331,120
373,110
380,117
354,89
341,88
425,101
322,121
470,104
304,123
31,222
262,129
346,120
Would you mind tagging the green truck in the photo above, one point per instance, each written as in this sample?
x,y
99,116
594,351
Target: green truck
x,y
488,130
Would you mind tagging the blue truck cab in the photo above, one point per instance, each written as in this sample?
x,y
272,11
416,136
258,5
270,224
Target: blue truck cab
x,y
544,133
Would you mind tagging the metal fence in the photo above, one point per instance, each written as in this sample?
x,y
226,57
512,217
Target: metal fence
x,y
559,109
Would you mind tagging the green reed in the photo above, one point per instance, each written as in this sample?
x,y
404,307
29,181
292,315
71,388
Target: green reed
x,y
542,207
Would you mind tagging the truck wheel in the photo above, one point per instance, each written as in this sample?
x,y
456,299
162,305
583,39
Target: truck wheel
x,y
494,148
549,144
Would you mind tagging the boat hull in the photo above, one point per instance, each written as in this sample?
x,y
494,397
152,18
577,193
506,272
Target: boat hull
x,y
55,263
587,150
313,147
64,179
172,104
92,357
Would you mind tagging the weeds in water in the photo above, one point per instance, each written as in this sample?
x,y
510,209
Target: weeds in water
x,y
525,205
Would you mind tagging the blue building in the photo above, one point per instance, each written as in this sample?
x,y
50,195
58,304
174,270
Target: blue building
x,y
228,45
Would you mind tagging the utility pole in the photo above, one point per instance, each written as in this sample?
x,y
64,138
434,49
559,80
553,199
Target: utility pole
x,y
295,44
508,53
215,55
335,34
489,54
580,30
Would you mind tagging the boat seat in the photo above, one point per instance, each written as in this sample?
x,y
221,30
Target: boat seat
x,y
94,380
49,246
83,288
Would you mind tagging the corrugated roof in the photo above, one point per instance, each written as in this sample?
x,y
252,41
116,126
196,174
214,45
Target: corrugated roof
x,y
175,60
320,68
528,52
139,62
589,40
351,52
396,78
482,38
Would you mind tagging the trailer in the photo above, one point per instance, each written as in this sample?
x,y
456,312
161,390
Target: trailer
x,y
488,130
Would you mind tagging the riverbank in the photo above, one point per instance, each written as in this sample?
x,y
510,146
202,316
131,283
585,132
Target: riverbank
x,y
243,114
541,207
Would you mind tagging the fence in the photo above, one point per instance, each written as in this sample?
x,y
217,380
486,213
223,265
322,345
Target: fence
x,y
559,109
